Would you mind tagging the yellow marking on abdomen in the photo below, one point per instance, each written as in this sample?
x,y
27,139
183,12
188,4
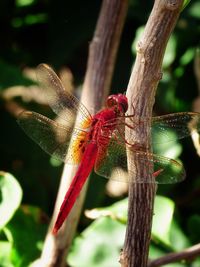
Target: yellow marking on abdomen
x,y
78,147
86,123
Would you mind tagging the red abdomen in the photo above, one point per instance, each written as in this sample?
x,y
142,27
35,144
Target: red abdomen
x,y
78,181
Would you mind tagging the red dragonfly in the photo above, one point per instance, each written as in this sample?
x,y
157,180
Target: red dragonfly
x,y
99,141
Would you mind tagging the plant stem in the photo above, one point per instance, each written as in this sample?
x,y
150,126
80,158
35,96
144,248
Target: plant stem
x,y
186,254
141,94
101,61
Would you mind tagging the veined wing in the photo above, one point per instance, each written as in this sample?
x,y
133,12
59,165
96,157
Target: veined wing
x,y
59,99
62,142
183,124
112,163
112,160
163,129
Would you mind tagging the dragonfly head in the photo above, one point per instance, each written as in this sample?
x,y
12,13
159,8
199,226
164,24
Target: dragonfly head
x,y
119,101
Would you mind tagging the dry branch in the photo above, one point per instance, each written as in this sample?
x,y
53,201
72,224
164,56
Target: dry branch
x,y
187,254
100,66
141,93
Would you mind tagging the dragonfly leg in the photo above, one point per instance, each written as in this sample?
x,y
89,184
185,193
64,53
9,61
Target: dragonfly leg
x,y
122,122
156,173
136,146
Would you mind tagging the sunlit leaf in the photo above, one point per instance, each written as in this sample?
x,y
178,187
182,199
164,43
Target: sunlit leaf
x,y
178,238
117,211
28,231
196,262
138,36
99,245
98,238
11,196
155,251
163,215
21,3
5,250
194,9
188,56
185,3
170,52
109,225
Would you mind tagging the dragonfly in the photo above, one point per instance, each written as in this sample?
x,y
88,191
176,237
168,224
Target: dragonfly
x,y
98,141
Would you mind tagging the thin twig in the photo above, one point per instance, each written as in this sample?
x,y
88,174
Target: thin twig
x,y
186,254
196,103
102,55
141,94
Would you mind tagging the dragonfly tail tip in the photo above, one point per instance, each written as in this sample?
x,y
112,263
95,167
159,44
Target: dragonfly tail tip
x,y
54,231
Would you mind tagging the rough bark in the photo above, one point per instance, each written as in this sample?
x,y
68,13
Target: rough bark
x,y
141,90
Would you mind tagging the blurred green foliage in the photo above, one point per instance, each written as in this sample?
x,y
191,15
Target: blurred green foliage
x,y
58,33
11,195
110,224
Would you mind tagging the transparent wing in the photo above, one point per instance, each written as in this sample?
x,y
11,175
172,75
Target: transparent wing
x,y
53,137
183,124
58,98
112,163
165,128
112,160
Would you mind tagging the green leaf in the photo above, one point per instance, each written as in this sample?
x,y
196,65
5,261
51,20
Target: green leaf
x,y
194,10
11,196
185,3
117,211
5,250
99,245
196,262
187,57
109,226
98,238
20,3
170,52
138,36
163,210
28,232
178,239
155,251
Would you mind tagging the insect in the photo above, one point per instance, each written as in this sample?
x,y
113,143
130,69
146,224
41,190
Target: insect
x,y
99,141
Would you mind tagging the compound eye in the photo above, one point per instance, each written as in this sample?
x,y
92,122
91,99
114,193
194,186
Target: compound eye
x,y
111,101
124,106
